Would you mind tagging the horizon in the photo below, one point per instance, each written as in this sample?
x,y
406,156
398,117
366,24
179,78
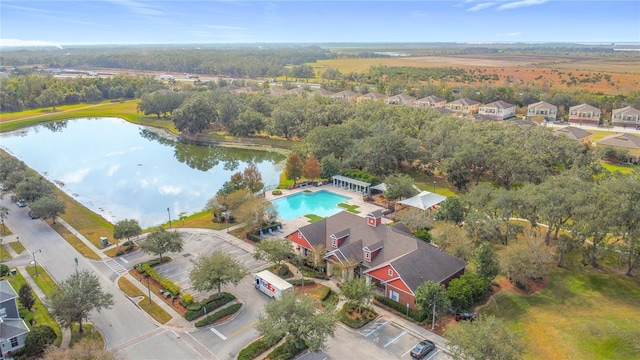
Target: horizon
x,y
137,22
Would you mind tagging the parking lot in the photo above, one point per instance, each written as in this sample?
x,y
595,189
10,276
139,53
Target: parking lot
x,y
395,340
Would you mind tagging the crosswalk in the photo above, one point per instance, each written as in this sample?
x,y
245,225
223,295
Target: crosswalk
x,y
115,266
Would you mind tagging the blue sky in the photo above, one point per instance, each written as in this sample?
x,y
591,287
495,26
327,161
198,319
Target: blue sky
x,y
302,21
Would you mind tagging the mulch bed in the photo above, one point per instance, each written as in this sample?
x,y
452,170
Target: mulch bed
x,y
155,288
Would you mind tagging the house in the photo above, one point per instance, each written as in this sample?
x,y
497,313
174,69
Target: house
x,y
389,257
624,141
297,91
372,96
498,110
400,99
542,110
322,92
431,101
346,96
584,114
626,117
463,106
13,330
574,133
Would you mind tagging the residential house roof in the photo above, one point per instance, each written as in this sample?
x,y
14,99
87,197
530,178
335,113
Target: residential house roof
x,y
350,180
401,99
444,111
464,102
541,105
628,111
431,99
584,107
498,105
423,201
323,92
345,95
415,260
572,132
372,96
624,140
6,291
296,91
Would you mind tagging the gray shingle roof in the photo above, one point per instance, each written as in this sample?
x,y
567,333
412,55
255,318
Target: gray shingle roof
x,y
572,132
621,140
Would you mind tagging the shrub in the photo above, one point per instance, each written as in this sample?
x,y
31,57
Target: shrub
x,y
26,315
423,234
355,323
213,302
167,284
4,270
38,339
119,253
314,274
298,282
276,192
256,348
286,350
255,237
210,319
331,299
187,299
401,309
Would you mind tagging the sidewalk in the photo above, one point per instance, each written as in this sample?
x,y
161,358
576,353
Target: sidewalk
x,y
82,238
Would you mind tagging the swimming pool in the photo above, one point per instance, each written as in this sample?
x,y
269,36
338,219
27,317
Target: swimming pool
x,y
322,203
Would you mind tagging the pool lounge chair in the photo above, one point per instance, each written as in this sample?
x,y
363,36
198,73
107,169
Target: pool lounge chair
x,y
280,229
271,232
262,235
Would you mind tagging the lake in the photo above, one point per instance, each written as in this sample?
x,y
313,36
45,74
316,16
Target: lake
x,y
122,171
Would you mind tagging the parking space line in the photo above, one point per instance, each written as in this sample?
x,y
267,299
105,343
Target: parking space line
x,y
395,338
376,329
434,354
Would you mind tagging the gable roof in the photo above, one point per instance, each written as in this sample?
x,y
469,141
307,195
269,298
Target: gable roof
x,y
424,200
621,140
427,263
465,102
584,107
431,99
499,105
541,105
572,132
372,95
629,111
6,291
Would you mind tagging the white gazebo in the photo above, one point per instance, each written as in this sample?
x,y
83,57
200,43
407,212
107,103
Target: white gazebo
x,y
423,201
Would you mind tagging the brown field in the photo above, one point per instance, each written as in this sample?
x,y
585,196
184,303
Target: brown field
x,y
551,70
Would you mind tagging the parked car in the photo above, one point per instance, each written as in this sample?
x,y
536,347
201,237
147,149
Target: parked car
x,y
32,215
3,187
21,203
421,350
466,316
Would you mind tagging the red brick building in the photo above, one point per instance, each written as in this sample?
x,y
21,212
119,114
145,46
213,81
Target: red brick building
x,y
390,257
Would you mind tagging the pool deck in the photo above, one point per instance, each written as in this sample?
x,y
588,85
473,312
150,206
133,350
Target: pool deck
x,y
355,198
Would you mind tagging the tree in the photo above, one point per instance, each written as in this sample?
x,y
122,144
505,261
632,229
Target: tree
x,y
296,318
195,114
415,219
78,296
293,169
48,207
486,338
274,250
317,255
25,295
38,339
529,258
251,178
399,186
450,210
311,168
255,212
4,212
466,290
330,166
126,229
486,262
431,293
453,239
357,292
32,188
213,271
161,241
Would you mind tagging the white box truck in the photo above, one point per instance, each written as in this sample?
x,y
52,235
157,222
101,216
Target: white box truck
x,y
271,284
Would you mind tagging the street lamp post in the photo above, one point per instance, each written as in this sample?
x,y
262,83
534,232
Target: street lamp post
x,y
169,212
34,260
149,288
434,186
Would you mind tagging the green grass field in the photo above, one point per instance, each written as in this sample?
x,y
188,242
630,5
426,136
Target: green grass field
x,y
582,313
150,307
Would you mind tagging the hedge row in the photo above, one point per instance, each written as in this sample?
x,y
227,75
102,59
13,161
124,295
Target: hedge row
x,y
308,272
195,310
210,319
298,282
402,309
256,348
167,284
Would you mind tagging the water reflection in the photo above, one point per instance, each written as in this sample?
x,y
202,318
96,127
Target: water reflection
x,y
121,170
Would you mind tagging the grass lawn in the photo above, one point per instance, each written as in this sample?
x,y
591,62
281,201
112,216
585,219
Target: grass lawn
x,y
151,308
75,242
40,312
4,253
5,231
44,281
313,218
17,247
88,332
425,182
624,168
350,208
582,313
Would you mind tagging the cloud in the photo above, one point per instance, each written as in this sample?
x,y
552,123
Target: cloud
x,y
140,7
521,3
170,190
112,169
23,43
482,6
76,176
511,34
